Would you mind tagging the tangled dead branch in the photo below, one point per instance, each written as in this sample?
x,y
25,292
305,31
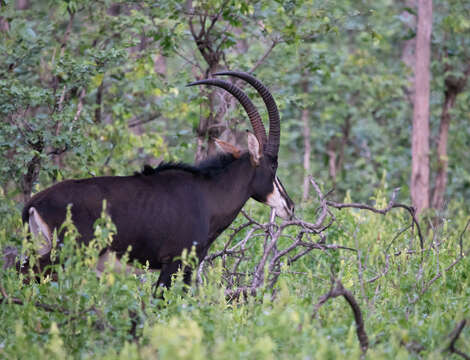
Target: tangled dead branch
x,y
281,247
240,280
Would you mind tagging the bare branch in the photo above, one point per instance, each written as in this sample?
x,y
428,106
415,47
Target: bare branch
x,y
63,43
140,121
391,205
264,56
80,104
462,254
58,151
337,289
384,272
454,335
61,100
185,58
436,277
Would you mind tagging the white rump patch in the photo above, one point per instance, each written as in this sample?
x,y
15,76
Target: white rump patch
x,y
110,260
40,230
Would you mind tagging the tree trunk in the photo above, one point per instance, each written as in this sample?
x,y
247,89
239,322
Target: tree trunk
x,y
331,151
98,101
32,173
335,150
307,151
441,176
453,87
203,143
409,46
419,187
206,45
22,4
4,25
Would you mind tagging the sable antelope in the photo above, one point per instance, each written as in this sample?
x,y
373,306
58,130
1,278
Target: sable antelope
x,y
159,212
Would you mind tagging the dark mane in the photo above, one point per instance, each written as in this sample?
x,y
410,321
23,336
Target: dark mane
x,y
207,168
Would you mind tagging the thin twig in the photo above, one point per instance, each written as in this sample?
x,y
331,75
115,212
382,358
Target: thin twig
x,y
461,238
264,56
384,272
149,118
436,277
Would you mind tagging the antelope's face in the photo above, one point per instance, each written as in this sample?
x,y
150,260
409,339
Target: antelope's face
x,y
268,189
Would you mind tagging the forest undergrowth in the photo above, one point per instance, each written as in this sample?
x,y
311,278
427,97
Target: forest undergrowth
x,y
342,279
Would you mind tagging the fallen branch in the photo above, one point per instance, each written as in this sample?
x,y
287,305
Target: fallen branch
x,y
454,335
337,289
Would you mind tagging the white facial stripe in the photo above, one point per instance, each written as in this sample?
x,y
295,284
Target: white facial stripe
x,y
277,200
281,190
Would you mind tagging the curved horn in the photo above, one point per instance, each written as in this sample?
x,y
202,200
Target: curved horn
x,y
250,109
272,146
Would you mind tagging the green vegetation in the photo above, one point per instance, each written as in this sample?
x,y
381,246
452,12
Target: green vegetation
x,y
90,88
91,316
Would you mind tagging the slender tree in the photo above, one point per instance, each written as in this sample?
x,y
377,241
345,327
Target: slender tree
x,y
307,149
453,87
420,137
409,45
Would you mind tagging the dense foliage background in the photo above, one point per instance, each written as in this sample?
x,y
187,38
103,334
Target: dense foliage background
x,y
91,88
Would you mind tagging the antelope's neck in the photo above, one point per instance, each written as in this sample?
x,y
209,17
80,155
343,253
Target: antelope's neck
x,y
228,195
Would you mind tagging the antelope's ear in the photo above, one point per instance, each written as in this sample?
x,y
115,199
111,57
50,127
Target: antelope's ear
x,y
254,148
228,148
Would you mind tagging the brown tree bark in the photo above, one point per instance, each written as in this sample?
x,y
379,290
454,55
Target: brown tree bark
x,y
419,187
22,4
441,176
409,46
335,150
307,151
32,173
211,53
453,87
306,133
4,25
331,151
98,101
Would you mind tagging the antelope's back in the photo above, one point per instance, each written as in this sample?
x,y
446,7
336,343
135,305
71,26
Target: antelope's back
x,y
156,215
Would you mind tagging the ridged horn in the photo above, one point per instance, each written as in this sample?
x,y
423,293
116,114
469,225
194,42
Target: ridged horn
x,y
253,115
272,146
